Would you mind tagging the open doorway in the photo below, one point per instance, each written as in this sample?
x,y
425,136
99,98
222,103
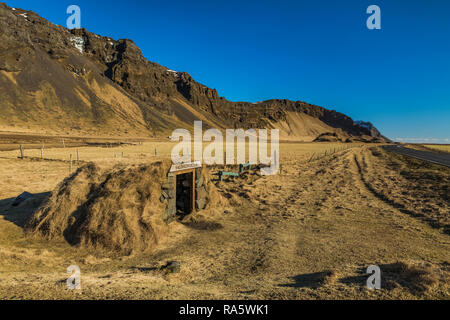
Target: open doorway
x,y
185,194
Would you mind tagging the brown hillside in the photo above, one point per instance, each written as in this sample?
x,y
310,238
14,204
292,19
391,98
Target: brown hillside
x,y
75,82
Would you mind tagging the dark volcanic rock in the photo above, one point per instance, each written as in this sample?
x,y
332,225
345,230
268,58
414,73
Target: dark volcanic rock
x,y
369,128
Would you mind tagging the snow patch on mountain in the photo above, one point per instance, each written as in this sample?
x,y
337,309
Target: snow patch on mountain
x,y
24,15
78,43
175,73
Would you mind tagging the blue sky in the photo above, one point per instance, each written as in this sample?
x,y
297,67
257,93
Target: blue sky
x,y
316,51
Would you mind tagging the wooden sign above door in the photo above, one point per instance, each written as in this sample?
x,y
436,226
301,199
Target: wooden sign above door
x,y
185,166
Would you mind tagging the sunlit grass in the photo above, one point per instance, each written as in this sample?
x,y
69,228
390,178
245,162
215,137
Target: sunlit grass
x,y
442,147
35,175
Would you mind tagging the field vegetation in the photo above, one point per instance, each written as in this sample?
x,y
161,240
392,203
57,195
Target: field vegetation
x,y
309,233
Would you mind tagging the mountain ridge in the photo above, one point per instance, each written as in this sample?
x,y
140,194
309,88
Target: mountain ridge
x,y
74,81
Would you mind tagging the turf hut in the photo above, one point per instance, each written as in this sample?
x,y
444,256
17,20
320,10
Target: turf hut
x,y
124,209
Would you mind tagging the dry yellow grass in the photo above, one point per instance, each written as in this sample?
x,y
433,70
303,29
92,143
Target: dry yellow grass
x,y
306,234
37,176
17,176
441,147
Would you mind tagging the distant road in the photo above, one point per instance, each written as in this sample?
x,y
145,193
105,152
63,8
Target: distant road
x,y
437,158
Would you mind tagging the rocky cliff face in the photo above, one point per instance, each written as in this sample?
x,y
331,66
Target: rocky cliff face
x,y
74,81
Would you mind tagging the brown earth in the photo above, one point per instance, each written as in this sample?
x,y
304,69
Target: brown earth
x,y
309,233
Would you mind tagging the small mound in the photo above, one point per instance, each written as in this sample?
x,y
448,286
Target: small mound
x,y
329,137
117,210
418,279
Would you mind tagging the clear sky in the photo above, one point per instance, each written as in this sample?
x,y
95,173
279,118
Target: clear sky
x,y
316,51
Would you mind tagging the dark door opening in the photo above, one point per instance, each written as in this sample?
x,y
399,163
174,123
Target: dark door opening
x,y
185,194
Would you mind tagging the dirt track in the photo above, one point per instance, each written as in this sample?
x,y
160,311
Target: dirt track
x,y
307,234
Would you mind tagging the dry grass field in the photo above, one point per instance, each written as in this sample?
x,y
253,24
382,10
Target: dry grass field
x,y
442,147
35,175
309,233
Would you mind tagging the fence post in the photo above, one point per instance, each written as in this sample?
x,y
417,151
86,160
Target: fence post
x,y
78,156
63,143
42,152
21,151
224,157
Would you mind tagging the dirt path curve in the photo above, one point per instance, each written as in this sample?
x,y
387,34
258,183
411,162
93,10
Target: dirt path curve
x,y
327,220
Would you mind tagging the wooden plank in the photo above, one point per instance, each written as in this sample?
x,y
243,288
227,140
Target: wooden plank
x,y
183,172
234,174
226,173
185,166
245,165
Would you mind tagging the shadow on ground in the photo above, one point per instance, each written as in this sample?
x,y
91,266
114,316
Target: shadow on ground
x,y
310,280
19,214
